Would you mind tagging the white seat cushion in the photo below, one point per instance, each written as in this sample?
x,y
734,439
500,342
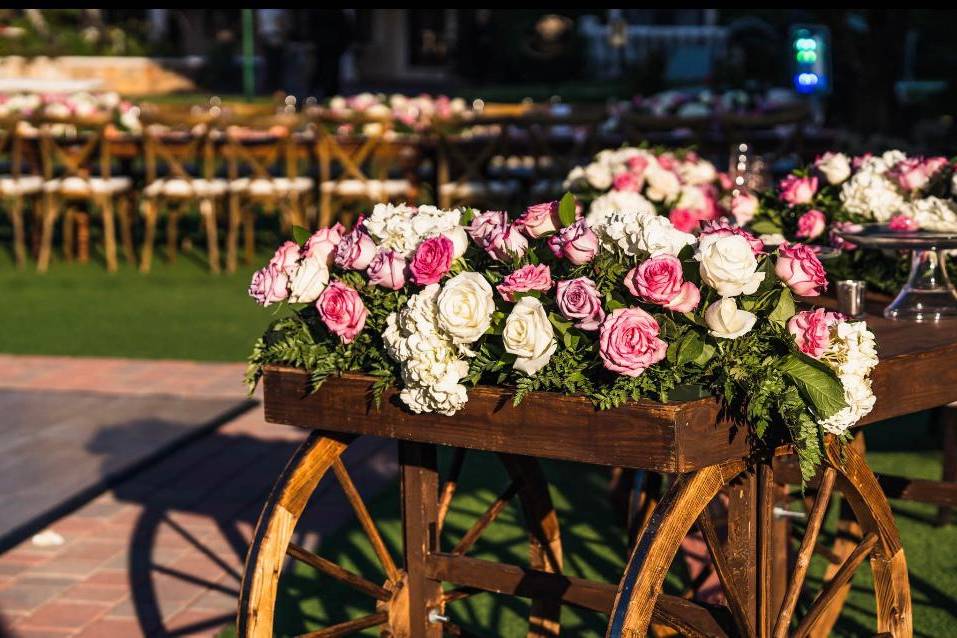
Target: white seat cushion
x,y
469,190
270,187
181,188
11,186
84,187
371,188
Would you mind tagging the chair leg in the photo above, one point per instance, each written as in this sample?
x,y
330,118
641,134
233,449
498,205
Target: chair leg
x,y
16,220
150,213
172,224
249,235
69,241
123,211
81,228
232,232
948,421
46,236
207,208
109,233
325,209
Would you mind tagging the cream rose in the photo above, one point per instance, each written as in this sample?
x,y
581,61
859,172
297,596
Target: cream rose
x,y
727,321
599,176
728,265
465,307
835,167
529,335
663,185
309,280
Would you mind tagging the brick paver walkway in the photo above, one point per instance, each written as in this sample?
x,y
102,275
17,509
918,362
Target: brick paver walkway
x,y
160,554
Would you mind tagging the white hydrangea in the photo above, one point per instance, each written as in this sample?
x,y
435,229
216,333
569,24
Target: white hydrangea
x,y
603,208
932,213
871,194
431,363
638,230
852,354
402,227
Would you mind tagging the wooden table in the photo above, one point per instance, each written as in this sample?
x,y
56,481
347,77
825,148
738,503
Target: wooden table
x,y
711,461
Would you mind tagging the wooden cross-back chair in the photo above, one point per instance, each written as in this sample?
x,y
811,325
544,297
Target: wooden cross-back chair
x,y
470,166
370,166
263,171
17,188
179,173
77,171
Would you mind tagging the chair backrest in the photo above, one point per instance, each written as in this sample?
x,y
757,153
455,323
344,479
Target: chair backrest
x,y
75,147
11,145
172,153
257,152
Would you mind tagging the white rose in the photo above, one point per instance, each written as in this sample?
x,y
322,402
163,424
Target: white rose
x,y
728,265
309,280
727,321
836,167
465,307
529,335
662,185
459,239
699,172
599,176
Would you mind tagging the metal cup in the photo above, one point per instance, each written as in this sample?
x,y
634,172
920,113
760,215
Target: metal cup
x,y
850,297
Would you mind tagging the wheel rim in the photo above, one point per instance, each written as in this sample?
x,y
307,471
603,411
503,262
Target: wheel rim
x,y
640,602
321,453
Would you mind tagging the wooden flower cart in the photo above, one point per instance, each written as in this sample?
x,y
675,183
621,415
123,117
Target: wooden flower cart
x,y
723,486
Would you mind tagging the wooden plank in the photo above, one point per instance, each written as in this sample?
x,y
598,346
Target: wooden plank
x,y
420,493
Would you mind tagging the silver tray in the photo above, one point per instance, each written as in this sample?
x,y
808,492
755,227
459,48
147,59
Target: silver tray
x,y
880,236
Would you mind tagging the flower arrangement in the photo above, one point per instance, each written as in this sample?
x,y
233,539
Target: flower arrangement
x,y
72,105
706,103
437,301
840,192
411,113
678,184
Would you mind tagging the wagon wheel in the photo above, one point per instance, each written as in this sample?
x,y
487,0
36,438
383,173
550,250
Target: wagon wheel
x,y
744,560
322,452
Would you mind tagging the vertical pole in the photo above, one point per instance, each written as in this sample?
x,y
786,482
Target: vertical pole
x,y
249,70
742,540
420,497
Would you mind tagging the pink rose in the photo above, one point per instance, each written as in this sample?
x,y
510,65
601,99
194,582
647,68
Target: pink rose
x,y
903,224
324,242
627,182
812,330
524,279
576,243
507,243
668,162
839,242
659,280
859,160
269,285
356,250
286,258
683,219
637,165
387,269
629,343
811,224
579,301
342,310
432,260
744,206
798,190
723,228
725,181
800,269
485,226
539,219
913,173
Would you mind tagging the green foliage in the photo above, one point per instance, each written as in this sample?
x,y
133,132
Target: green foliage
x,y
566,210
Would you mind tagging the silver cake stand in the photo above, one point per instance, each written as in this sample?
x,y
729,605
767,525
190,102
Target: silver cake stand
x,y
928,294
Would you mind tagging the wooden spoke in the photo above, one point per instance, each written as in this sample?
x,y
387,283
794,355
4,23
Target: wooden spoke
x,y
808,543
450,485
828,554
689,618
736,604
487,518
833,586
339,573
346,628
459,593
765,522
365,519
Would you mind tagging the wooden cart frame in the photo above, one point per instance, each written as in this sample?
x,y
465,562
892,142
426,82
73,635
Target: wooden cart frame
x,y
707,455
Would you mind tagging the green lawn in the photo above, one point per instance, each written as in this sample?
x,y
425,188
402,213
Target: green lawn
x,y
178,311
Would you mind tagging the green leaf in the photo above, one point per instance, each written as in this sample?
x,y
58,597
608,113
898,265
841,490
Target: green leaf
x,y
817,383
561,325
566,210
765,227
691,348
784,309
300,234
